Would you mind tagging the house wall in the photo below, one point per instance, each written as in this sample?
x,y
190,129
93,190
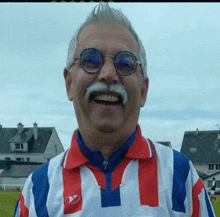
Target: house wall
x,y
12,183
25,147
203,168
32,157
217,178
54,146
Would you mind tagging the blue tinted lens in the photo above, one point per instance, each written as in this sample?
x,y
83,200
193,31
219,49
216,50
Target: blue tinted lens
x,y
91,60
125,63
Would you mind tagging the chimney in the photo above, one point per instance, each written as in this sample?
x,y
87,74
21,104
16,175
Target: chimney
x,y
197,131
20,127
35,131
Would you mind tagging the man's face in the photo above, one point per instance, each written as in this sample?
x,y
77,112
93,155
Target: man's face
x,y
110,39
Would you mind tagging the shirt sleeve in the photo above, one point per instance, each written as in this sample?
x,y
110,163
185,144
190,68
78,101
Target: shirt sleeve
x,y
22,207
200,202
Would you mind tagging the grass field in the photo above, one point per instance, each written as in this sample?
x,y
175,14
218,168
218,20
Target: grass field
x,y
9,198
216,206
7,203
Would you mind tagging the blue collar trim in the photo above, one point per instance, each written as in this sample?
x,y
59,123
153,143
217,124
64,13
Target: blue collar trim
x,y
96,158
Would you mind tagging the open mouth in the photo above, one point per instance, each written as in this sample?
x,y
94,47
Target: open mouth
x,y
106,99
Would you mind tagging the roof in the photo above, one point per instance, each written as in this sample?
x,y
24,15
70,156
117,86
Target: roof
x,y
202,146
7,163
166,143
23,137
204,176
8,135
15,171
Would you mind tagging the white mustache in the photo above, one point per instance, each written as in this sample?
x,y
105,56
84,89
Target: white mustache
x,y
113,88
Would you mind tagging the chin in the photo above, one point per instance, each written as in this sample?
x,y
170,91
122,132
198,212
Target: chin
x,y
107,128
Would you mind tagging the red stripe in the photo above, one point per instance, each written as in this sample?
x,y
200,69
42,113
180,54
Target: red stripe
x,y
139,148
148,182
197,189
118,173
72,192
74,157
24,212
100,176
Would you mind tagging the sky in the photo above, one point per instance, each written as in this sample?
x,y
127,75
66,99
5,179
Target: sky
x,y
183,63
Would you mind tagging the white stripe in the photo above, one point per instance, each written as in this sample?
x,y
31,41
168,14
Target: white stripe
x,y
64,163
29,197
55,204
203,208
165,178
149,147
188,203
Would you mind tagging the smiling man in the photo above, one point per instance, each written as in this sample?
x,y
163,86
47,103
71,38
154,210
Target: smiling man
x,y
110,169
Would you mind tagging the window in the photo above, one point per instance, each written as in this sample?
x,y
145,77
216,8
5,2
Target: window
x,y
19,146
218,136
211,166
28,159
55,148
7,158
217,166
193,150
20,159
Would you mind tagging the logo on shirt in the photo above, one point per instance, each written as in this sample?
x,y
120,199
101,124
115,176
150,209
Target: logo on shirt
x,y
72,198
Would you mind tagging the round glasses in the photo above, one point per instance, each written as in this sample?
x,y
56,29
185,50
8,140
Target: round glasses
x,y
91,60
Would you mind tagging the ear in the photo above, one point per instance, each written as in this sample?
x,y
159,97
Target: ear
x,y
68,82
144,90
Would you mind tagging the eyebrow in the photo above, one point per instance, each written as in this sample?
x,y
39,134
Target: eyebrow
x,y
101,51
81,50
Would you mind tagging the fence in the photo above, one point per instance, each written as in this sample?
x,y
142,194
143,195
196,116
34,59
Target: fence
x,y
11,186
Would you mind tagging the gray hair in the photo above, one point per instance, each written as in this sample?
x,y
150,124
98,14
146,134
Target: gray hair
x,y
104,13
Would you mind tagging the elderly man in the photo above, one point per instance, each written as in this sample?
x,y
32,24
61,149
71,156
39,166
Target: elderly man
x,y
110,168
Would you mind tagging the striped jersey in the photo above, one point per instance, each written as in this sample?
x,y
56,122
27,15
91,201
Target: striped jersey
x,y
141,178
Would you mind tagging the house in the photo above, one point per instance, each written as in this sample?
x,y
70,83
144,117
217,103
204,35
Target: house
x,y
13,174
23,149
166,143
203,149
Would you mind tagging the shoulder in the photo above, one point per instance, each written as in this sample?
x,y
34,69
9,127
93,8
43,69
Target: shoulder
x,y
42,171
177,157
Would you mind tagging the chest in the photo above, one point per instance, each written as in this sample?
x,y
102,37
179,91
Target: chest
x,y
133,189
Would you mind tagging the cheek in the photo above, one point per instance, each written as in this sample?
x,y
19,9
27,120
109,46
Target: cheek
x,y
134,89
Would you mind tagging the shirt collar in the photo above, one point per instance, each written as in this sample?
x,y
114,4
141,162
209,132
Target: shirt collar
x,y
141,148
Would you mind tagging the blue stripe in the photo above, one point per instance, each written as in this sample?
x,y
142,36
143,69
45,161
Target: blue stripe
x,y
40,189
16,208
152,148
181,171
110,197
96,157
208,205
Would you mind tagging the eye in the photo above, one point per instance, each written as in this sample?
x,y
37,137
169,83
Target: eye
x,y
91,60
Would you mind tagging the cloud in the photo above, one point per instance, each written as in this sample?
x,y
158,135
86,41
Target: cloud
x,y
160,129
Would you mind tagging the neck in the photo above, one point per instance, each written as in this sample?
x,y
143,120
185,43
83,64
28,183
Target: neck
x,y
106,143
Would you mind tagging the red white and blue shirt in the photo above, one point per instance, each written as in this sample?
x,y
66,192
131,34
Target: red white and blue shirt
x,y
141,178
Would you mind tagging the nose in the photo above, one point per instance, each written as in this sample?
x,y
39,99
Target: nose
x,y
108,73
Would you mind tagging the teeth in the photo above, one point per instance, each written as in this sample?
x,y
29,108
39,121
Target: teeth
x,y
108,98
